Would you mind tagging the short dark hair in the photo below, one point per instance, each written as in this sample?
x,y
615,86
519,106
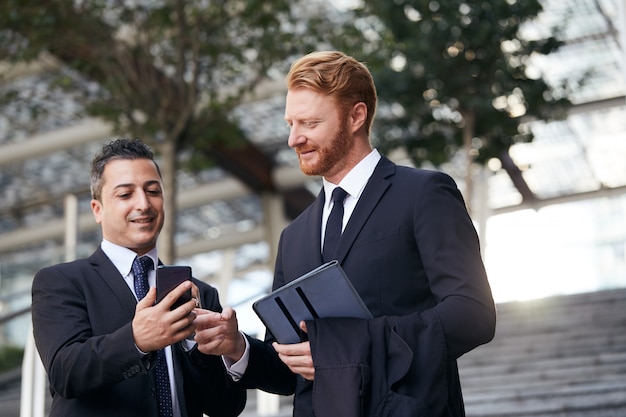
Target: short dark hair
x,y
122,148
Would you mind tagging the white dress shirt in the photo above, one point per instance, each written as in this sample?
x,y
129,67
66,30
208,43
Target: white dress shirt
x,y
353,183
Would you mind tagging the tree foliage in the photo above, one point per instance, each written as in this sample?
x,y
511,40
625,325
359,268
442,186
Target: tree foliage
x,y
162,69
456,75
451,75
167,71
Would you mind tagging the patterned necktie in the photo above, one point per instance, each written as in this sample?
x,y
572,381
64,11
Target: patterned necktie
x,y
141,266
334,224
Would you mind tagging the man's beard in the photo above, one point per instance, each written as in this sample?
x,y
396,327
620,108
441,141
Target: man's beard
x,y
330,156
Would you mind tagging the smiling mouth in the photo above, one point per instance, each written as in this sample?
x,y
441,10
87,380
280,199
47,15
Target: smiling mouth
x,y
142,220
305,152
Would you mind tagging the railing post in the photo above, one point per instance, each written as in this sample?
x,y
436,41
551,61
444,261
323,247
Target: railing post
x,y
33,395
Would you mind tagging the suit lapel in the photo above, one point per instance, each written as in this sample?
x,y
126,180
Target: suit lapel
x,y
313,232
373,192
108,275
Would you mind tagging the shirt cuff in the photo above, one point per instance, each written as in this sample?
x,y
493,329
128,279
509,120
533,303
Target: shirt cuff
x,y
187,345
237,369
141,352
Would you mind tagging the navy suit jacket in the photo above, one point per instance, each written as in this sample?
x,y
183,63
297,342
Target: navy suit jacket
x,y
82,313
411,250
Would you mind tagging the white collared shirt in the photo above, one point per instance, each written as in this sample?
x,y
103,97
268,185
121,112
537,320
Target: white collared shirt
x,y
353,183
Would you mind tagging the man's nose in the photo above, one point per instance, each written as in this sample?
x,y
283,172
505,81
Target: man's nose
x,y
295,137
142,201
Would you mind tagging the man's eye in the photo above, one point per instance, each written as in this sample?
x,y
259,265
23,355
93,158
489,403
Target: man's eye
x,y
154,192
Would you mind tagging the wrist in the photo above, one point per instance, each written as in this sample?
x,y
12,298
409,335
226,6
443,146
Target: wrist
x,y
240,348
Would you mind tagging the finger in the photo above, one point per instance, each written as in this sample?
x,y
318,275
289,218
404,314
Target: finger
x,y
195,295
183,315
208,318
209,346
175,294
212,340
213,314
228,313
180,330
303,326
296,349
148,300
195,291
188,330
210,333
299,365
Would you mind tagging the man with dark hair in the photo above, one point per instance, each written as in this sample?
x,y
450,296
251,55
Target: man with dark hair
x,y
107,348
406,242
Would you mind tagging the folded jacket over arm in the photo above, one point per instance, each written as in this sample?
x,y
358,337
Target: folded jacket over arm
x,y
388,366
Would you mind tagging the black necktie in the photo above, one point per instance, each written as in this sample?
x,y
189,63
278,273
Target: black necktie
x,y
334,224
141,266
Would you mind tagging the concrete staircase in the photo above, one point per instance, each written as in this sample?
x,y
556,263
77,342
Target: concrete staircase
x,y
561,356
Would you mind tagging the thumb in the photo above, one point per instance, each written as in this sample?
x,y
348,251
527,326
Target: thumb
x,y
148,300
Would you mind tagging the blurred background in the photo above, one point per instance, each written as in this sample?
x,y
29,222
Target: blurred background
x,y
522,102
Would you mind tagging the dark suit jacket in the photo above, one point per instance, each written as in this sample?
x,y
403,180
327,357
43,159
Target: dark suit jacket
x,y
411,250
82,313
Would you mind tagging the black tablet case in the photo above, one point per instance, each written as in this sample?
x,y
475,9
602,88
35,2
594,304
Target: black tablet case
x,y
323,292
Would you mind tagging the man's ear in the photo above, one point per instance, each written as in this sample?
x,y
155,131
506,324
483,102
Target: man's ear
x,y
96,209
358,115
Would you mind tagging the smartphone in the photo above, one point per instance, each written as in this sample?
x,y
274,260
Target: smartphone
x,y
169,277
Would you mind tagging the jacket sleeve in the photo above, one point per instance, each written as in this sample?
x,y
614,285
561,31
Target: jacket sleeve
x,y
450,252
77,361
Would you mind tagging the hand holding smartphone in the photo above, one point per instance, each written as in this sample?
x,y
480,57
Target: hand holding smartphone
x,y
169,277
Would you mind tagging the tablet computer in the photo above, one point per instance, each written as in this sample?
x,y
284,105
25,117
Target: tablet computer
x,y
323,292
